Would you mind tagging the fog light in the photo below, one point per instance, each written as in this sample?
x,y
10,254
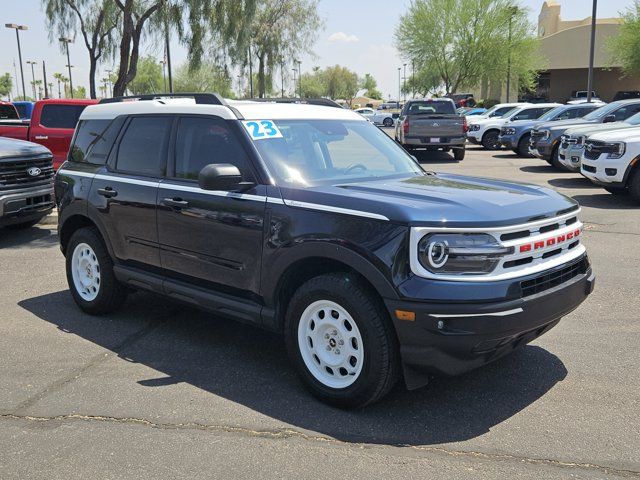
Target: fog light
x,y
611,172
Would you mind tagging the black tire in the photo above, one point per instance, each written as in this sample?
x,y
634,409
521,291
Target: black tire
x,y
634,185
555,160
25,225
523,146
111,293
458,154
387,122
617,190
490,140
381,365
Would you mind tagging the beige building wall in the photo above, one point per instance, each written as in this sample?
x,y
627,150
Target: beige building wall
x,y
607,83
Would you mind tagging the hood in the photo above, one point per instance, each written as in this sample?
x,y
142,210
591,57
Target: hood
x,y
564,124
11,148
442,200
522,123
629,134
590,129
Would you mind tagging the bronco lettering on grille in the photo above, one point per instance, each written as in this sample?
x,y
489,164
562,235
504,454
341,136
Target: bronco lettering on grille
x,y
530,247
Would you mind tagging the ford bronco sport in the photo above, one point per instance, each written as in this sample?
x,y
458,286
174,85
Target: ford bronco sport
x,y
310,221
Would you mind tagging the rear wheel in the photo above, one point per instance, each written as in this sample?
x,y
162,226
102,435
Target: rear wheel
x,y
490,140
523,146
90,275
340,341
458,154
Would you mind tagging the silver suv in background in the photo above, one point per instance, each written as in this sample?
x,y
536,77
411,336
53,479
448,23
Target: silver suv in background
x,y
432,124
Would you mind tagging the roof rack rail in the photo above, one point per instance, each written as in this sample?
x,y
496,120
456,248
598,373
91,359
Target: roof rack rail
x,y
200,98
325,102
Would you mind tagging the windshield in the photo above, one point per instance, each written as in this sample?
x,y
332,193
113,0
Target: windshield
x,y
551,114
312,152
634,119
602,111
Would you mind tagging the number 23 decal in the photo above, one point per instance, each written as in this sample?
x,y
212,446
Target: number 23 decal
x,y
261,129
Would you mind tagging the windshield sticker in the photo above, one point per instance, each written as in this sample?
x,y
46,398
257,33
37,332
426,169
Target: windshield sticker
x,y
261,129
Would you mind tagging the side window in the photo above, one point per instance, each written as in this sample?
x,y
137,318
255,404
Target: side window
x,y
204,140
93,140
60,116
625,112
567,114
143,146
529,114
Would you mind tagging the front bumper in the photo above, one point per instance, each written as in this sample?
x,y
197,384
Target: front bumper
x,y
20,206
453,338
474,136
606,171
570,157
542,149
508,141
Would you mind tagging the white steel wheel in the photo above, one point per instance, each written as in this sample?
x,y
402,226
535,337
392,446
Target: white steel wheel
x,y
85,270
330,344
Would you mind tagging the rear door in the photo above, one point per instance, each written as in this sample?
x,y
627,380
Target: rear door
x,y
54,127
124,194
210,238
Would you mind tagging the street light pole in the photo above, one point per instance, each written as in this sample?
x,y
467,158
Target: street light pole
x,y
281,77
169,61
67,41
33,78
404,83
299,78
17,28
164,73
399,87
592,51
295,71
44,80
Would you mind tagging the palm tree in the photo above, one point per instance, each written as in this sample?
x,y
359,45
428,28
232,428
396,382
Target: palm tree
x,y
38,85
61,79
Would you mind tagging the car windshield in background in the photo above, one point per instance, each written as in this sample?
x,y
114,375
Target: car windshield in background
x,y
7,112
508,113
430,108
312,152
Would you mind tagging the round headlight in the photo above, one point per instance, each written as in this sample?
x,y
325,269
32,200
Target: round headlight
x,y
437,253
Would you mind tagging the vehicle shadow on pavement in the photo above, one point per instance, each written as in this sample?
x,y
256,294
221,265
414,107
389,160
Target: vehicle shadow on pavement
x,y
607,201
431,158
33,237
571,182
249,366
546,168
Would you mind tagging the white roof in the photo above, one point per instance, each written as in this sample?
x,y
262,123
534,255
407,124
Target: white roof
x,y
249,110
292,111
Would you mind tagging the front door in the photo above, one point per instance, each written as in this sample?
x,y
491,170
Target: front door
x,y
212,239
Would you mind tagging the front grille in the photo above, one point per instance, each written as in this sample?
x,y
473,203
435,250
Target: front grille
x,y
536,135
14,173
553,279
593,149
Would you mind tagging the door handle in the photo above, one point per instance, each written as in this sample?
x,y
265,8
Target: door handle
x,y
175,202
107,192
41,137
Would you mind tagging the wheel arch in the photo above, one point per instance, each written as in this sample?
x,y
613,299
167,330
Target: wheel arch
x,y
73,223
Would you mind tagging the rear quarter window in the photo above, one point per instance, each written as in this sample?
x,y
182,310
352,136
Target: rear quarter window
x,y
93,140
60,116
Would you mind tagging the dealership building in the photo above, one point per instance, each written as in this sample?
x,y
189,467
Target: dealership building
x,y
564,46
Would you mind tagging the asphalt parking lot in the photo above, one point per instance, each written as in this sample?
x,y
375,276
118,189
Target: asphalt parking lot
x,y
160,390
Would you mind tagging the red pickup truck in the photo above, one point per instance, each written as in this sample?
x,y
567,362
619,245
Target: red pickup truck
x,y
52,125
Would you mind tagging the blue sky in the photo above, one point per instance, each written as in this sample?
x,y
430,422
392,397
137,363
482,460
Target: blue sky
x,y
358,34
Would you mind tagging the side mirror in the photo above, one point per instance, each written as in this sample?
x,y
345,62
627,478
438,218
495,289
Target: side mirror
x,y
219,176
609,119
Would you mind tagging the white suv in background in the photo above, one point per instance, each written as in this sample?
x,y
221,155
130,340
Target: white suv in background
x,y
486,132
610,159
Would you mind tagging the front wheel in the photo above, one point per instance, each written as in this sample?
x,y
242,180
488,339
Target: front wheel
x,y
341,342
387,122
90,275
523,146
490,140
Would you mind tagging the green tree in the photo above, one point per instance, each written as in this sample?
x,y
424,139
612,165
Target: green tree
x,y
194,21
205,78
624,48
423,83
95,19
340,83
370,86
148,77
79,92
312,84
6,84
281,29
464,41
